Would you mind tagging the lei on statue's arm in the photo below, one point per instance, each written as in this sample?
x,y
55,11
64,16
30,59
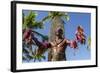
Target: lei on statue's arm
x,y
79,38
29,38
42,46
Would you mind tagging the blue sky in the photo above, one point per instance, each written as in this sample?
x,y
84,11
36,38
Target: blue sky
x,y
76,19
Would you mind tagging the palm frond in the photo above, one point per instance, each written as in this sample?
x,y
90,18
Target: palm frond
x,y
41,35
54,14
25,51
29,19
46,18
37,25
66,17
37,56
23,17
24,58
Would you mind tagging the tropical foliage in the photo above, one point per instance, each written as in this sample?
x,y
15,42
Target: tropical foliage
x,y
29,23
89,43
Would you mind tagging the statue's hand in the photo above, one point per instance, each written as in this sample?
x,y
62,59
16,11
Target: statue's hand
x,y
73,44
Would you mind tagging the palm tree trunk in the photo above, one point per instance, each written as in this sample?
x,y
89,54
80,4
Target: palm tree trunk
x,y
56,23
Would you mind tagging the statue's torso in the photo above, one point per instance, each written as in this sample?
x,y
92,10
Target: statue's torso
x,y
58,50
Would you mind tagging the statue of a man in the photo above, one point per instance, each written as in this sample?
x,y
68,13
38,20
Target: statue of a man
x,y
58,46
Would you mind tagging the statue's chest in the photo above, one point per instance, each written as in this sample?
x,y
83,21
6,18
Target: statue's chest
x,y
57,47
59,43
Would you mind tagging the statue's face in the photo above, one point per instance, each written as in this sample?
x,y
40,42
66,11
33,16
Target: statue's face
x,y
59,32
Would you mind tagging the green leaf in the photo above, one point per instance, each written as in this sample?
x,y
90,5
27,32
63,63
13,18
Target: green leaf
x,y
29,19
89,43
37,25
46,18
45,37
25,51
67,17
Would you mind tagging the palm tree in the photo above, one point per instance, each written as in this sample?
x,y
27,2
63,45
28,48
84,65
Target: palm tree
x,y
57,20
29,22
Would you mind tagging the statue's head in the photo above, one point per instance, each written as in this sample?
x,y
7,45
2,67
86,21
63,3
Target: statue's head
x,y
59,31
